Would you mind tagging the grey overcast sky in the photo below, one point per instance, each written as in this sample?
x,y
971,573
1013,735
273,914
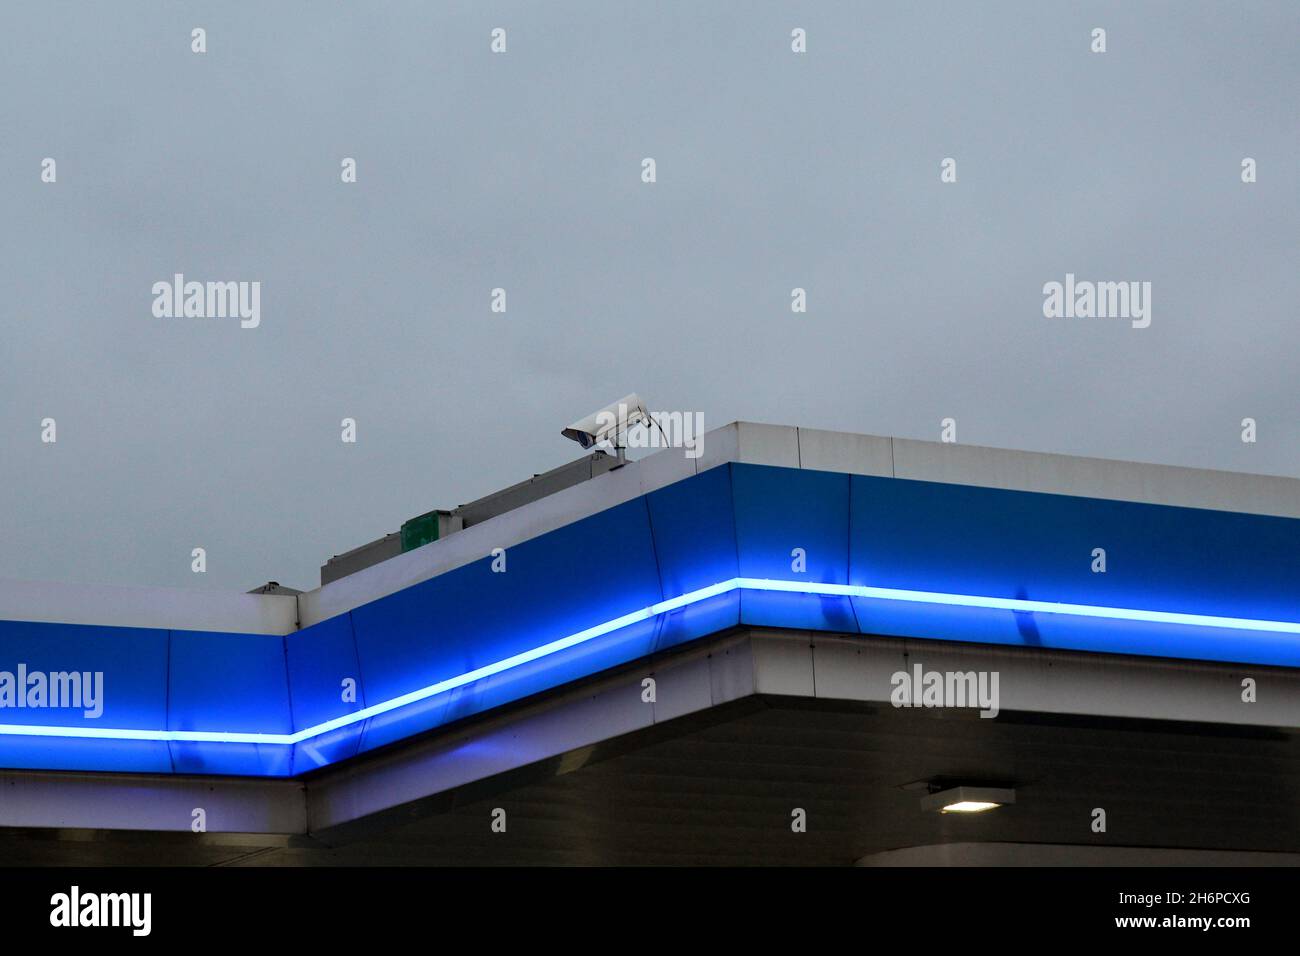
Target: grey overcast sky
x,y
522,170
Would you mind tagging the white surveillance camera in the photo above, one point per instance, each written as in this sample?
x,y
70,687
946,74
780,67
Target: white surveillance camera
x,y
606,425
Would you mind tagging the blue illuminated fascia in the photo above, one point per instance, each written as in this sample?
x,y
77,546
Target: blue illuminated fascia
x,y
654,610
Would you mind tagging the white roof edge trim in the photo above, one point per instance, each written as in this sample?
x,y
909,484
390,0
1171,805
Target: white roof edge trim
x,y
177,609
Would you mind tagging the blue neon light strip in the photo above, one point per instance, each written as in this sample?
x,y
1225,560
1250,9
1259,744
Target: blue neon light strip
x,y
645,613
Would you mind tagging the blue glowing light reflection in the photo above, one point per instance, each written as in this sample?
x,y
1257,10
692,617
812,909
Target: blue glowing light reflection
x,y
654,610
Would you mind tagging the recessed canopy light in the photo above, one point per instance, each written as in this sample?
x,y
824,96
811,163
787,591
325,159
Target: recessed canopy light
x,y
969,806
967,799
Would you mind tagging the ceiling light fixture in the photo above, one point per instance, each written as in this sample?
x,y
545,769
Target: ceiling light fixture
x,y
968,799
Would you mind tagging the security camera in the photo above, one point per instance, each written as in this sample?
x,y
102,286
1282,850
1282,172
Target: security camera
x,y
606,425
